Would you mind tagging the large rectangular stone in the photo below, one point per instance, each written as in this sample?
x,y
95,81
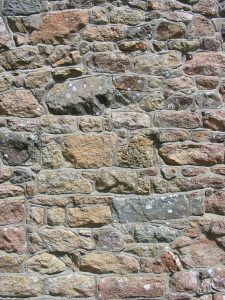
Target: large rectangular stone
x,y
147,209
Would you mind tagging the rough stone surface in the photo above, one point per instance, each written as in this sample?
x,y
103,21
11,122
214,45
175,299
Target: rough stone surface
x,y
90,152
89,216
129,287
20,103
112,133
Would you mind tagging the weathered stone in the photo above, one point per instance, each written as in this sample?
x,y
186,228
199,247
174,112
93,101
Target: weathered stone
x,y
104,33
90,151
60,201
101,263
45,263
52,157
63,182
38,79
20,286
20,103
130,120
5,41
58,124
130,287
172,135
200,26
209,8
184,282
216,203
152,101
131,82
193,154
110,62
169,30
108,239
56,216
12,240
5,81
137,153
182,119
67,72
167,5
148,209
18,148
157,64
184,46
10,263
201,253
145,249
21,7
12,211
219,280
209,99
73,285
89,95
206,63
89,216
60,26
197,182
22,58
131,46
21,175
9,190
60,239
91,124
36,216
116,181
214,120
168,262
18,124
126,16
153,234
91,200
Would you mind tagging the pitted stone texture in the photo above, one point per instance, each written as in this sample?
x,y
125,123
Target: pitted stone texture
x,y
89,216
45,263
19,148
101,263
73,285
137,152
61,240
130,287
20,103
59,26
12,211
88,95
21,7
148,209
12,240
20,286
24,58
193,154
90,151
63,182
5,41
157,64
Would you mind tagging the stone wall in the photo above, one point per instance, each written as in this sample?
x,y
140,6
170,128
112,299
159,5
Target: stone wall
x,y
112,135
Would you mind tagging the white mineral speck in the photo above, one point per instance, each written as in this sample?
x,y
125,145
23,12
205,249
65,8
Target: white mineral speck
x,y
170,211
147,287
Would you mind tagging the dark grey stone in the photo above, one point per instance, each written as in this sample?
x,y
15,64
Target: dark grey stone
x,y
18,149
148,209
20,176
150,234
21,7
89,95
